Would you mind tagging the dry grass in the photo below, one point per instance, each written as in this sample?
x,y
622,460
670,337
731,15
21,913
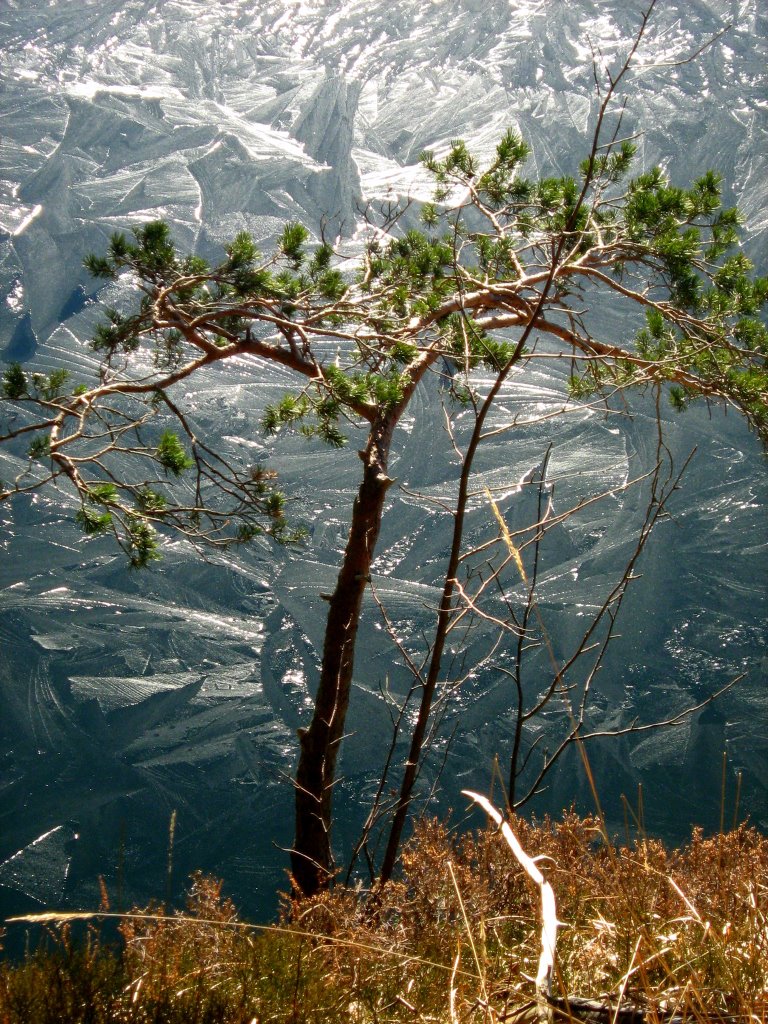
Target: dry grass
x,y
456,939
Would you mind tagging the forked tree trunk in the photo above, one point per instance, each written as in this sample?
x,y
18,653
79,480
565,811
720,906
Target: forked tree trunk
x,y
312,857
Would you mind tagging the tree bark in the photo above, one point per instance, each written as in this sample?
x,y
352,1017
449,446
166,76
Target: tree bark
x,y
444,617
312,861
413,763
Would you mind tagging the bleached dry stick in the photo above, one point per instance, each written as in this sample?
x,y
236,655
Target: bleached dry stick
x,y
549,920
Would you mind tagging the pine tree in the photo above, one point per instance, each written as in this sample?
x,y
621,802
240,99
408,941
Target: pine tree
x,y
501,259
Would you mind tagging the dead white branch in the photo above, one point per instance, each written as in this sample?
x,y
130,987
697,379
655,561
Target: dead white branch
x,y
549,922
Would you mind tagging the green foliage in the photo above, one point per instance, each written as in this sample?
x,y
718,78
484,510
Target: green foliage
x,y
99,266
92,522
416,256
292,242
497,257
331,285
321,259
169,350
246,532
241,251
609,167
423,296
724,233
48,388
150,501
40,446
14,381
678,397
171,454
119,249
511,151
403,353
733,283
670,220
240,270
141,542
154,253
195,265
457,164
417,271
117,334
471,347
495,354
582,386
751,334
339,390
274,505
102,494
656,341
383,391
460,393
500,185
328,432
288,410
429,215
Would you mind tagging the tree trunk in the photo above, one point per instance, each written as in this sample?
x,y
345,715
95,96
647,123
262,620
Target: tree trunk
x,y
312,856
413,763
444,617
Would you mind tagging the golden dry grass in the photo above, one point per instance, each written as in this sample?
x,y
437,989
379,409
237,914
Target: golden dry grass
x,y
455,939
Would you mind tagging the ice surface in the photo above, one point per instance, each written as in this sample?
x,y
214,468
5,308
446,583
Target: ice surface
x,y
127,696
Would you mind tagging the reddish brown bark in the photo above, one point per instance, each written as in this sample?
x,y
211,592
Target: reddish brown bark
x,y
312,856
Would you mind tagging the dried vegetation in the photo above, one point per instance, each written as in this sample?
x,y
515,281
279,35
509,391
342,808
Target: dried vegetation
x,y
674,933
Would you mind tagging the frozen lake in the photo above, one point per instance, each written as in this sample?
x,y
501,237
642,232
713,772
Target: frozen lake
x,y
129,696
